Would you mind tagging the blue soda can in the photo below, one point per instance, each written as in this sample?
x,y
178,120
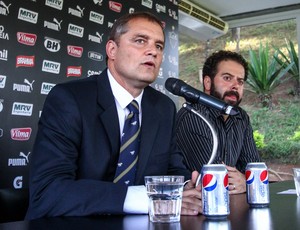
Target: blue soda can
x,y
215,195
257,184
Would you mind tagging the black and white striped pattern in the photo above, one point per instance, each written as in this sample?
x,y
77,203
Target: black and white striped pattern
x,y
236,146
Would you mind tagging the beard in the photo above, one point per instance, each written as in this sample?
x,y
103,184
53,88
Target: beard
x,y
218,95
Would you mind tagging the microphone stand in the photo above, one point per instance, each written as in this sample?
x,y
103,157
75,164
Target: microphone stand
x,y
213,131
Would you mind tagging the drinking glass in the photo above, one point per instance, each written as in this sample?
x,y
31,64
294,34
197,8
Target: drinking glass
x,y
165,197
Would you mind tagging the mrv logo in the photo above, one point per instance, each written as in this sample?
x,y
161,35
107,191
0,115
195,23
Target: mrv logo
x,y
21,161
51,44
28,15
22,109
57,4
75,30
96,17
46,87
51,67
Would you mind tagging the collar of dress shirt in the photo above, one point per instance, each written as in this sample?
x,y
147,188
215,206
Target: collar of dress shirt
x,y
122,96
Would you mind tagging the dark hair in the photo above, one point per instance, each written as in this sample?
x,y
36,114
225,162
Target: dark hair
x,y
212,62
120,25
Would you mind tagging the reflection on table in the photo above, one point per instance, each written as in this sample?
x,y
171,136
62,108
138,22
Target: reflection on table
x,y
283,213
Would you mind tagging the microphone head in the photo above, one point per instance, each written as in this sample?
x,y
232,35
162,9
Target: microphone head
x,y
174,85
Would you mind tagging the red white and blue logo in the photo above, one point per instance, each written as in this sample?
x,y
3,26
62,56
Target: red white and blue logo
x,y
209,182
264,177
249,176
225,182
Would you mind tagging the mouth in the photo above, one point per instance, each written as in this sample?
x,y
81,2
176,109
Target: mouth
x,y
149,64
231,96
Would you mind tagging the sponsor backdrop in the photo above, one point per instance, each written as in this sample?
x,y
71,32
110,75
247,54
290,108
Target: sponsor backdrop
x,y
45,42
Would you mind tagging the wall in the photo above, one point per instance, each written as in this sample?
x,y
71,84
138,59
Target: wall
x,y
46,42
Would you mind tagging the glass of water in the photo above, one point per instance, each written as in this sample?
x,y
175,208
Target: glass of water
x,y
165,197
297,180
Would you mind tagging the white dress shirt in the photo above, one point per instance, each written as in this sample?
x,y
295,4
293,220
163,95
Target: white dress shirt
x,y
136,200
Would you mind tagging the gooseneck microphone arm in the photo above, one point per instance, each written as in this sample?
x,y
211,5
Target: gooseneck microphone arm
x,y
213,131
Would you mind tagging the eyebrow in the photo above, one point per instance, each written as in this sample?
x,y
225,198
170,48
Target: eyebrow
x,y
239,78
162,42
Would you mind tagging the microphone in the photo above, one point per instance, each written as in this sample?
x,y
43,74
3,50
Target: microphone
x,y
180,88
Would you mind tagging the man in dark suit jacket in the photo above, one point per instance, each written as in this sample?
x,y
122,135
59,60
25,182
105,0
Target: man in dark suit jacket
x,y
76,151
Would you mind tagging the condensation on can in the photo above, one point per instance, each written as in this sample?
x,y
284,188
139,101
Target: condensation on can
x,y
215,195
257,185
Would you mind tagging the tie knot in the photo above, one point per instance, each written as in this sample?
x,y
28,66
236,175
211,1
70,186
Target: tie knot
x,y
133,107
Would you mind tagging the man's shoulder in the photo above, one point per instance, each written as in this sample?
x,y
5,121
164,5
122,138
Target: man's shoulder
x,y
157,95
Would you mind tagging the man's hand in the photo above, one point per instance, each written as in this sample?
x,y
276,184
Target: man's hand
x,y
236,180
191,197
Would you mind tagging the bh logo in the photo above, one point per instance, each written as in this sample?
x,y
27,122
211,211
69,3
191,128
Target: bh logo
x,y
209,182
249,177
264,177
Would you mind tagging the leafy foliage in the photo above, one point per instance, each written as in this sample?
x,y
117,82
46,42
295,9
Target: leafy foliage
x,y
259,139
265,74
296,136
290,58
278,128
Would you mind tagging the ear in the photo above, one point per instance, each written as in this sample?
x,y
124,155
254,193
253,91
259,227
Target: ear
x,y
111,49
207,84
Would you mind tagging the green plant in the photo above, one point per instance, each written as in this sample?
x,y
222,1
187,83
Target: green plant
x,y
296,136
285,60
259,139
278,126
265,74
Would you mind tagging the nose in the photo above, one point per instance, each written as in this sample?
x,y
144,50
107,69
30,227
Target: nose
x,y
151,49
235,85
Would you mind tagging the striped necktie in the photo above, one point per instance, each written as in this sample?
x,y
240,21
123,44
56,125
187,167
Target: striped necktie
x,y
128,157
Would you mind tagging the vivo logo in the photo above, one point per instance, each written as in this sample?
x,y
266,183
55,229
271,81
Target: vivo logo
x,y
26,38
20,134
75,51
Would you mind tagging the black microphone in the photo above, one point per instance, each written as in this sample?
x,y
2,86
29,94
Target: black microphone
x,y
180,88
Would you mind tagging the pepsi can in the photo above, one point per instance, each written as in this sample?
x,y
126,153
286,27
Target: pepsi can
x,y
215,195
257,184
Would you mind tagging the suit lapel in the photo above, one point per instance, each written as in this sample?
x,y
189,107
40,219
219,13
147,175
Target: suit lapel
x,y
108,112
149,129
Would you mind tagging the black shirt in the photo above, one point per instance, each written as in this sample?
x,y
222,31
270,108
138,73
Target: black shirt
x,y
236,146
